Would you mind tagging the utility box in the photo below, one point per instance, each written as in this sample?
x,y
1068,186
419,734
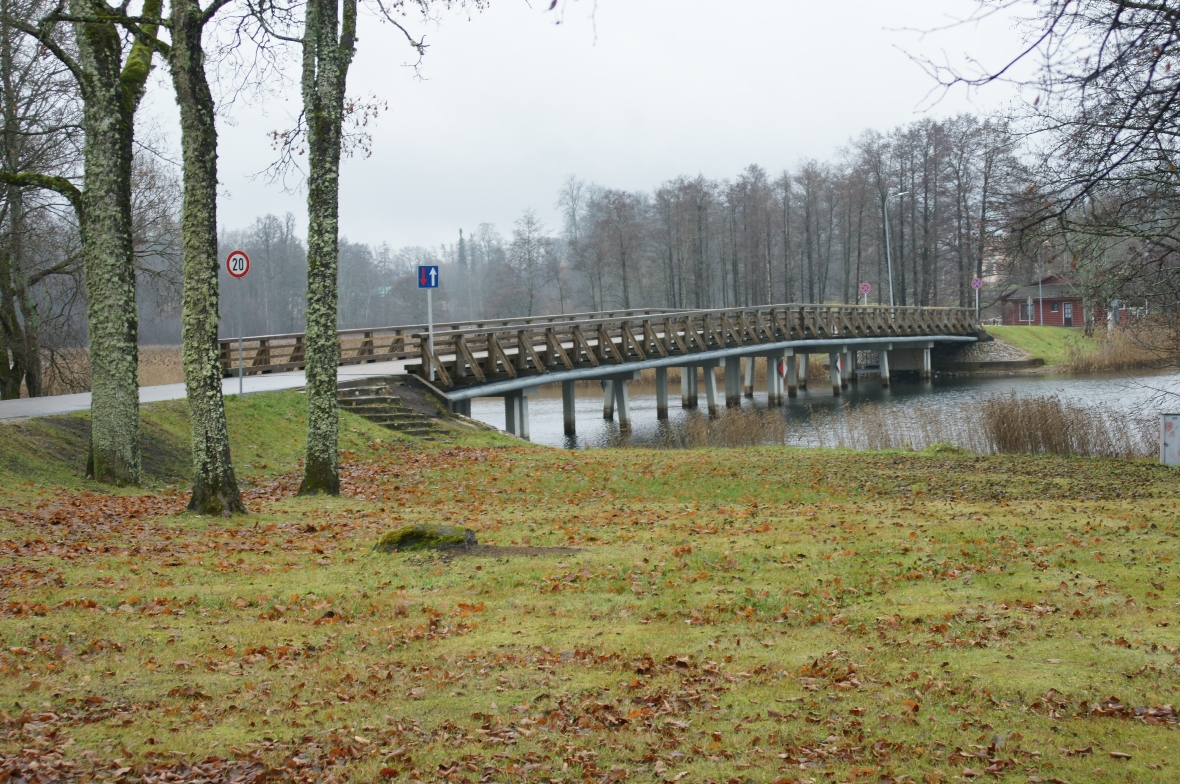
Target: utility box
x,y
1170,439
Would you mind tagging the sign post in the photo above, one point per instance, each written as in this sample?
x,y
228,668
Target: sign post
x,y
237,264
976,284
865,288
428,279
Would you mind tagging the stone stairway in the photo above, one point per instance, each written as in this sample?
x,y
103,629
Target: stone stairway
x,y
377,402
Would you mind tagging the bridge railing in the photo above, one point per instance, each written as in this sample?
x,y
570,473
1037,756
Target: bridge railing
x,y
478,355
277,353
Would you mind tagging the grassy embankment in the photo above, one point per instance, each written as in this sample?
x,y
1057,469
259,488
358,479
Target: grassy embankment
x,y
1052,344
739,615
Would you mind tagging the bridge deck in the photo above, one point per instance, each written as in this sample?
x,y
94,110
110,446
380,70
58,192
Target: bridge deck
x,y
511,357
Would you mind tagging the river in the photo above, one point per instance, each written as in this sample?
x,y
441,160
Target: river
x,y
1146,394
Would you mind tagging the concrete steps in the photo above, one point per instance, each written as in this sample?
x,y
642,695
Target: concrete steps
x,y
377,402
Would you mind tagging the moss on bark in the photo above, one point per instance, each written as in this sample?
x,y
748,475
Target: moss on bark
x,y
328,45
110,95
215,487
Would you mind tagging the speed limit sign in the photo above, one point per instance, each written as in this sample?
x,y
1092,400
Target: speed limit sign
x,y
237,264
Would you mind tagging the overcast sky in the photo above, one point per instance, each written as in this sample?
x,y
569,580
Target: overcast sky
x,y
512,103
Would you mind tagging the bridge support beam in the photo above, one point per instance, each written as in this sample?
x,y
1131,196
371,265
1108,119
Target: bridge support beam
x,y
774,383
662,393
849,374
927,369
688,387
733,382
623,401
792,376
567,408
748,391
884,365
711,391
804,361
834,365
608,400
516,411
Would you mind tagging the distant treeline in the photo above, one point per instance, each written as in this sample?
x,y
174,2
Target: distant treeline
x,y
812,234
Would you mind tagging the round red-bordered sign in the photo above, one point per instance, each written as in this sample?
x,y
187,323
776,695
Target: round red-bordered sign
x,y
976,283
865,288
237,264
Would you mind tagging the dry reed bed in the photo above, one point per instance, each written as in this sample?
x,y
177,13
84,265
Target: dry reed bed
x,y
1001,424
1126,349
67,371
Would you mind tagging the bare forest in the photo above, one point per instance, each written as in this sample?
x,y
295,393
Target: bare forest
x,y
811,234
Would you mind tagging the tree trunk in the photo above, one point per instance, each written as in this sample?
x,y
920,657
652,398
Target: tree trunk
x,y
327,54
215,488
110,100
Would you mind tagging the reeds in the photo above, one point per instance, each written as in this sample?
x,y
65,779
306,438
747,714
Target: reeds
x,y
67,371
1127,349
1007,424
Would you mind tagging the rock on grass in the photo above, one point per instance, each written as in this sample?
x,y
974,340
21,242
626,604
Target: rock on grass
x,y
426,537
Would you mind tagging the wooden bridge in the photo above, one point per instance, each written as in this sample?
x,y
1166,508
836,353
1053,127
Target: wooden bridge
x,y
512,358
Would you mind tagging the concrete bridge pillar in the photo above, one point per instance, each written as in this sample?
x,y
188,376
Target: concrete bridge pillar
x,y
711,391
884,353
748,391
804,361
927,368
792,376
662,393
462,407
774,382
623,401
688,387
849,374
567,408
516,411
733,382
834,365
608,401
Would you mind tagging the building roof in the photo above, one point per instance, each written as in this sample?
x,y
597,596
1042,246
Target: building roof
x,y
1051,287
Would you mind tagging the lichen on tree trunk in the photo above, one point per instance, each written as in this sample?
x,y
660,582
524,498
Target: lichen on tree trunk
x,y
110,98
328,45
215,487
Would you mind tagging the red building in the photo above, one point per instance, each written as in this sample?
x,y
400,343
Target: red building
x,y
1055,302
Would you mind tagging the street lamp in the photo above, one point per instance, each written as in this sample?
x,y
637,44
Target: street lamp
x,y
888,253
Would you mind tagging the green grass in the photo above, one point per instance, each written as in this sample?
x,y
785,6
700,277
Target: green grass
x,y
1051,344
744,615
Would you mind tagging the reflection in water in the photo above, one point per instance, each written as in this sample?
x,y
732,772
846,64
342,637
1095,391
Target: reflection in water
x,y
1147,394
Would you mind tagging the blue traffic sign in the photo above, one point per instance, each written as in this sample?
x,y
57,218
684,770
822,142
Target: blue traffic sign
x,y
428,277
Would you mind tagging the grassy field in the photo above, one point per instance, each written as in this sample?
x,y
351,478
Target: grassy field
x,y
766,615
1051,344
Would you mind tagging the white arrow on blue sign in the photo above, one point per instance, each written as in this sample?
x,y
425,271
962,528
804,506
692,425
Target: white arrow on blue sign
x,y
428,277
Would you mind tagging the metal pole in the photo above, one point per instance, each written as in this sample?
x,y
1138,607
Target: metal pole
x,y
977,304
430,328
888,252
241,328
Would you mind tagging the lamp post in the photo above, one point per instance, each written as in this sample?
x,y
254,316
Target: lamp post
x,y
888,252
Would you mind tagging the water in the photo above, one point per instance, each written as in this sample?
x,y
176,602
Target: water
x,y
1139,394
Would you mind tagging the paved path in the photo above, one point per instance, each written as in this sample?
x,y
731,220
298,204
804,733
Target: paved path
x,y
271,382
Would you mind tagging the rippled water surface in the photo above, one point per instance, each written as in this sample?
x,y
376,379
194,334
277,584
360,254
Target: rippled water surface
x,y
1143,394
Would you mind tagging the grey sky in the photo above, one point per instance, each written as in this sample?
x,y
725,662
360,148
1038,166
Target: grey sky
x,y
651,89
